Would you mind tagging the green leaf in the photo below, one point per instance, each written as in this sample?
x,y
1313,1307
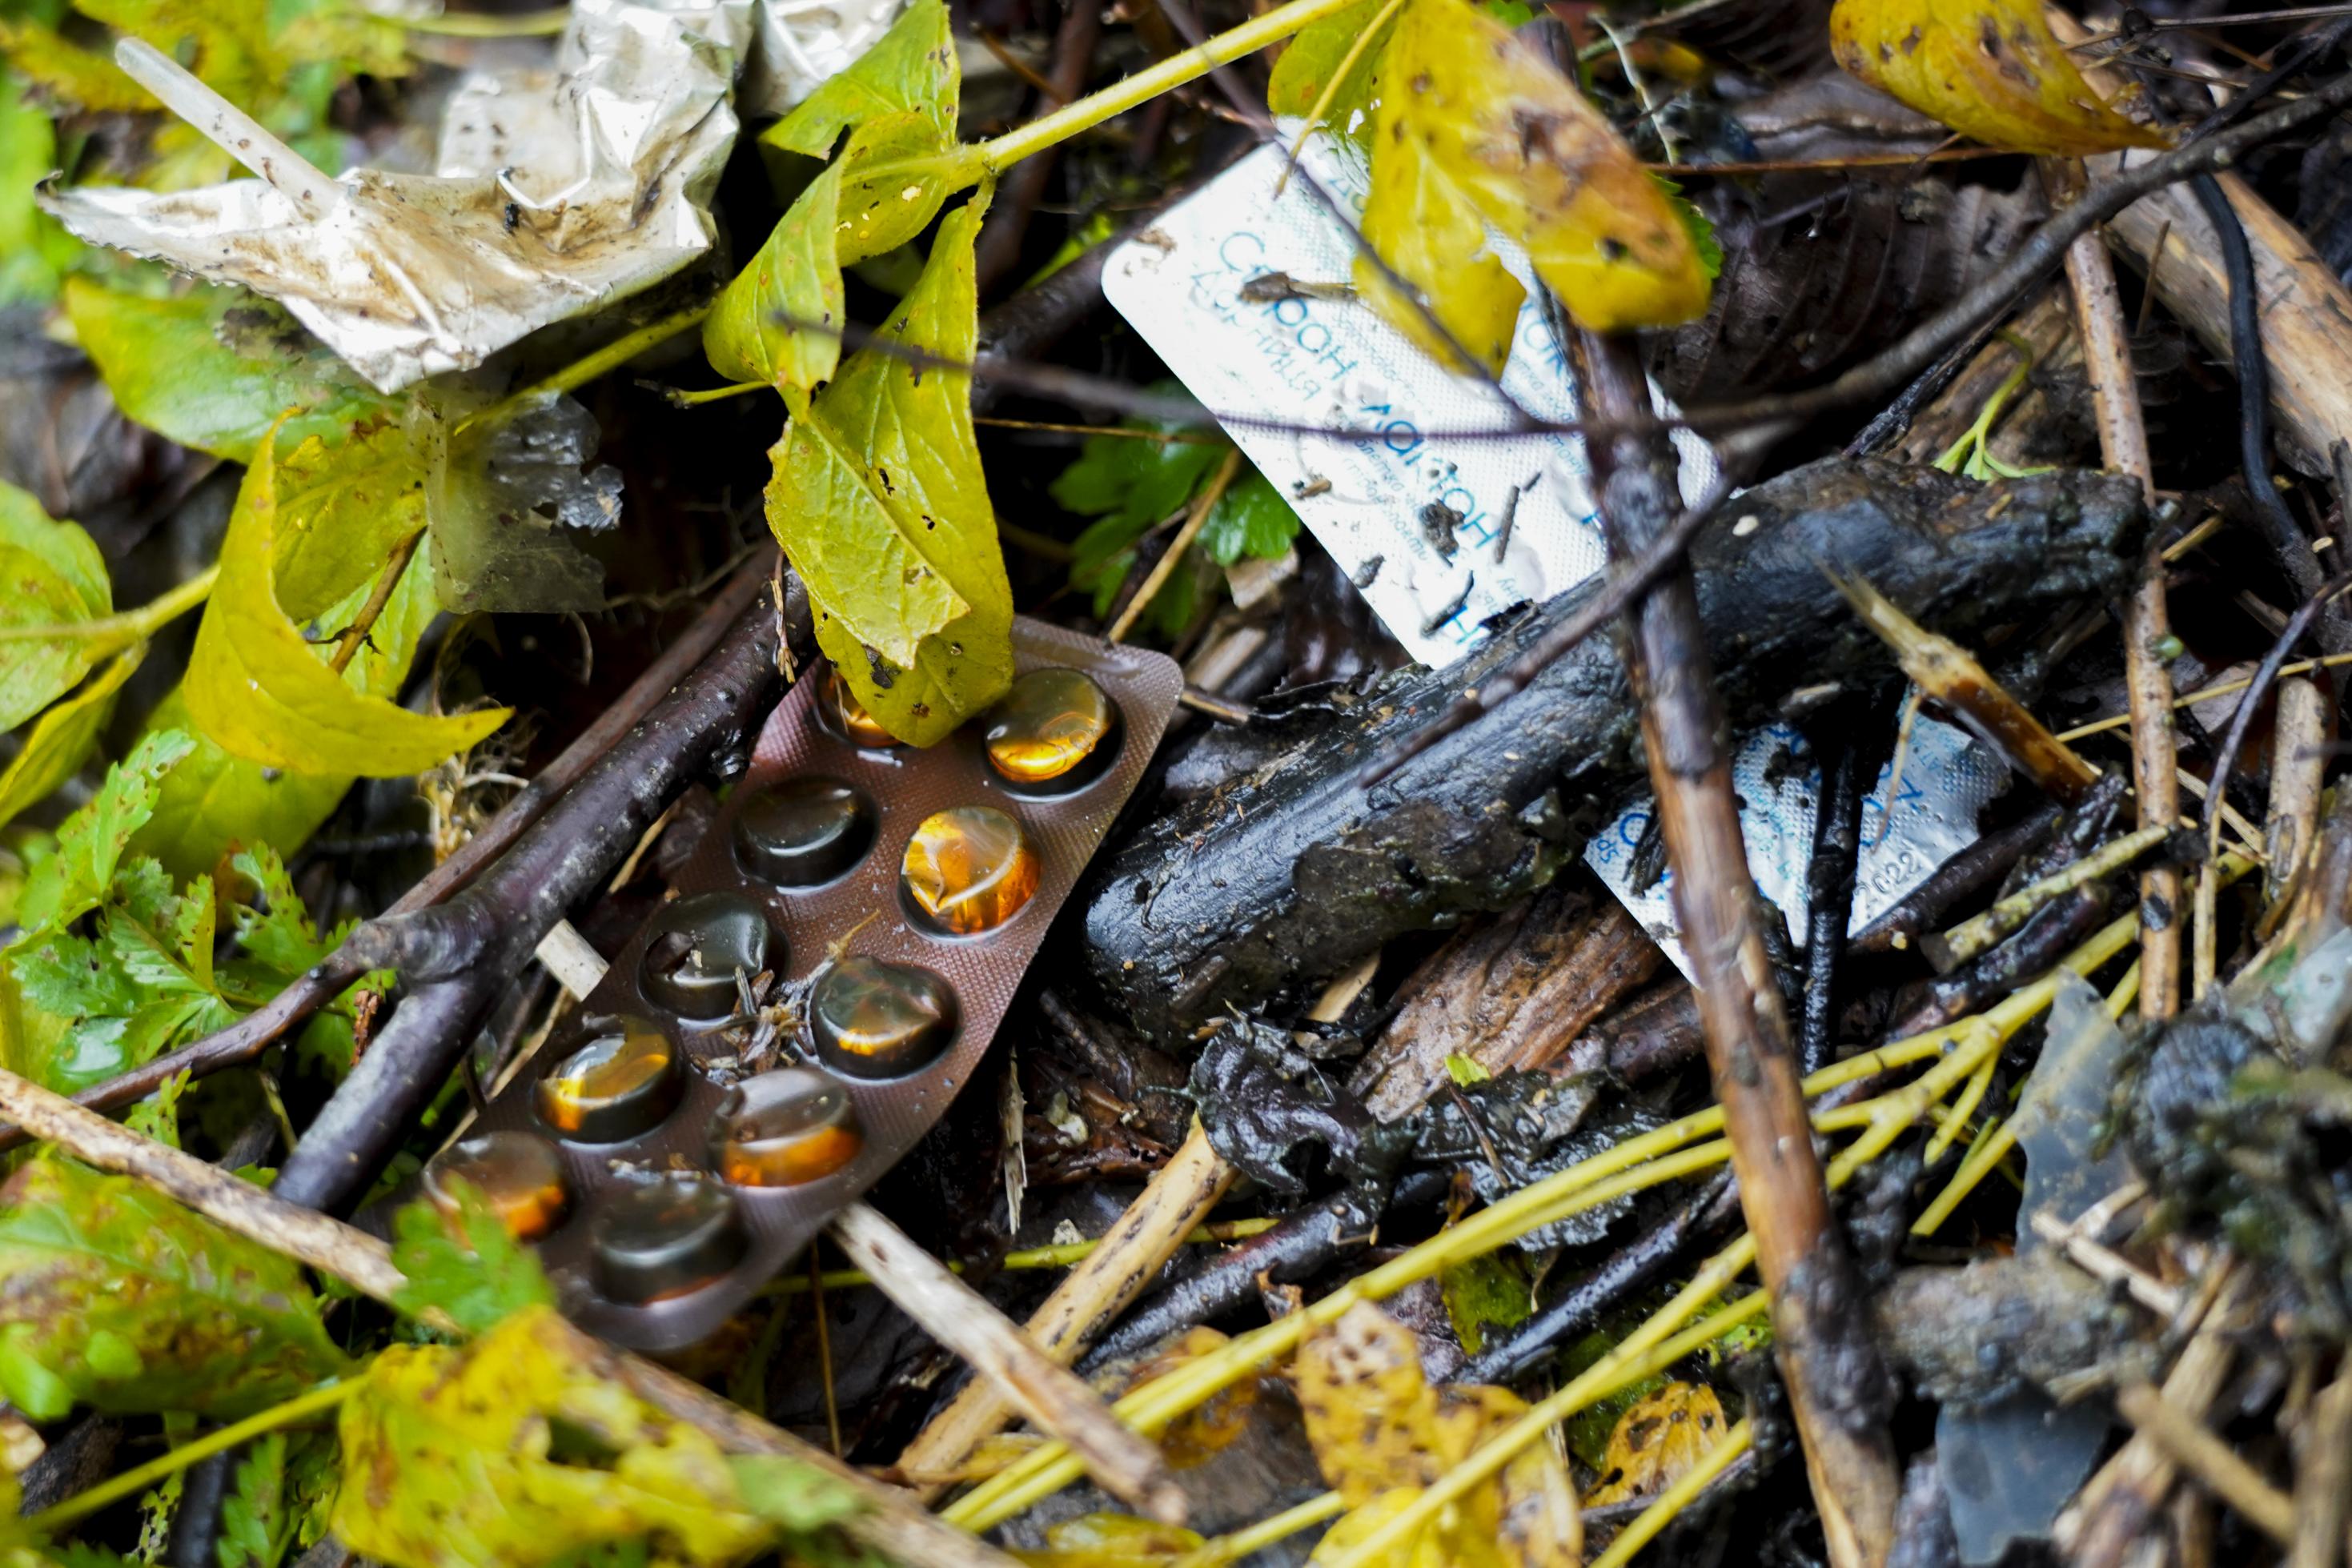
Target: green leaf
x,y
1251,520
1309,62
215,368
158,1117
1464,1070
35,249
479,1281
62,739
214,1323
880,500
1485,1292
796,1496
255,685
90,842
253,1528
900,98
450,1461
277,931
51,575
1695,225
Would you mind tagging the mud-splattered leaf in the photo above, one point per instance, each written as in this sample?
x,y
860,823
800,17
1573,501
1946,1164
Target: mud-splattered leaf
x,y
1988,69
1381,1434
61,740
133,1304
51,575
1657,1441
254,684
1110,1541
1476,128
510,1452
214,369
880,500
898,102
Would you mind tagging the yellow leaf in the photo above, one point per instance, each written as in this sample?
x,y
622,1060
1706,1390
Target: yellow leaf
x,y
257,688
451,1459
1110,1541
1381,1434
1470,117
1657,1441
1988,69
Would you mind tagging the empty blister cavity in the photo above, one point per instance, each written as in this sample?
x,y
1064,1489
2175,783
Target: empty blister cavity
x,y
618,1086
839,711
803,833
874,1020
785,1128
967,870
519,1175
666,1237
1055,731
698,946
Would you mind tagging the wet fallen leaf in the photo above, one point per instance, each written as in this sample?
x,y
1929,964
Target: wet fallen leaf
x,y
1382,1434
509,1452
880,500
1307,63
1487,1293
1479,129
115,1297
1988,69
1110,1541
254,684
898,101
1657,1441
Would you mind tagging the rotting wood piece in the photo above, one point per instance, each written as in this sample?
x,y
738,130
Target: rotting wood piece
x,y
1297,870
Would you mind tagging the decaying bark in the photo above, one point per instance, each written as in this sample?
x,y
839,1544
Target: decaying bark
x,y
1297,870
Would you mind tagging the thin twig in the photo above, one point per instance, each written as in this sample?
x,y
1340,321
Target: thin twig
x,y
1162,568
2215,1465
347,646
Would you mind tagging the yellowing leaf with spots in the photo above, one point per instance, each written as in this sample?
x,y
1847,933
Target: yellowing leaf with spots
x,y
1988,69
1474,128
1660,1439
1381,1434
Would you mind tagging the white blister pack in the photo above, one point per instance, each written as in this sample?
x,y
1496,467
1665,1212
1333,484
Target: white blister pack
x,y
1394,463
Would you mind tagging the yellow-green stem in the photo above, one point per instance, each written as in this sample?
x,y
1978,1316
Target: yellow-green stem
x,y
581,372
119,630
1677,1497
1060,1255
132,1482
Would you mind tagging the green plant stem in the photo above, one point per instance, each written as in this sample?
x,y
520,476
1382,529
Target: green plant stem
x,y
117,632
132,1482
1677,1497
581,372
986,159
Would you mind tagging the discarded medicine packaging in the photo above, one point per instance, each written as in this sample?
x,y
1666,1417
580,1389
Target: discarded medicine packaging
x,y
839,950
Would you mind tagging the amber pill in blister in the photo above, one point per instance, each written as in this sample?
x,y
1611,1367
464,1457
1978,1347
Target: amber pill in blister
x,y
784,1128
803,832
615,1087
666,1237
520,1177
969,869
847,717
875,1019
1057,730
696,947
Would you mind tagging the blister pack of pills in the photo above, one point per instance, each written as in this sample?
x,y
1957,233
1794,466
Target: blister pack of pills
x,y
837,954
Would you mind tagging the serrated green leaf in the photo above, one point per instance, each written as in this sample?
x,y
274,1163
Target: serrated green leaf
x,y
62,739
1250,521
276,930
51,575
880,500
449,1461
254,1527
90,842
479,1281
254,683
215,368
214,1323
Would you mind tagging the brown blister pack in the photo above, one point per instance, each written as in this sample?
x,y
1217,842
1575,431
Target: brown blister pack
x,y
668,1150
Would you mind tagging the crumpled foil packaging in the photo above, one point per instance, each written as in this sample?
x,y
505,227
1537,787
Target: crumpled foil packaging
x,y
557,193
800,43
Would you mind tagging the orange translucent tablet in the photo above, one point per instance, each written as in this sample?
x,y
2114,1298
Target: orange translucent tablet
x,y
667,1237
785,1128
876,1019
969,869
519,1175
1055,730
847,717
615,1087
